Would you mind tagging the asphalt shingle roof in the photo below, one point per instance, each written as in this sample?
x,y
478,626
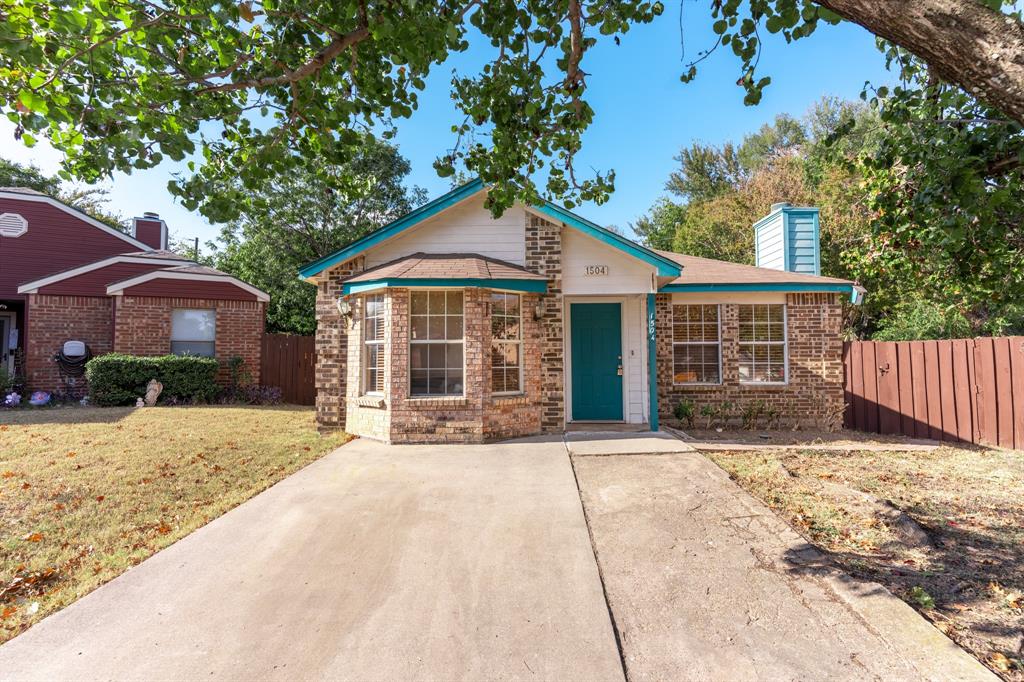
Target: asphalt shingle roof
x,y
698,270
445,266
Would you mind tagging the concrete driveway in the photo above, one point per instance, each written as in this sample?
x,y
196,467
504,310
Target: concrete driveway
x,y
373,563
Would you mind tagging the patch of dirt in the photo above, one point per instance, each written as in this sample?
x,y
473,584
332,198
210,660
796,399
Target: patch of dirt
x,y
942,529
792,437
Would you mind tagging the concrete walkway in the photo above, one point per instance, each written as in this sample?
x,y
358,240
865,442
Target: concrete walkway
x,y
373,563
706,583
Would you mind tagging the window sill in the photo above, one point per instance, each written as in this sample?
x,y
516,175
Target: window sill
x,y
436,401
509,398
369,401
767,384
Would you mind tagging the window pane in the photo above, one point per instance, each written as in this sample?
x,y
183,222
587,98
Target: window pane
x,y
454,305
419,303
512,379
454,327
193,325
498,380
454,355
203,348
436,302
418,384
418,356
435,327
435,355
419,327
453,384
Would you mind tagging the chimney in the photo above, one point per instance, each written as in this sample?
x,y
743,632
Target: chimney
x,y
150,230
787,239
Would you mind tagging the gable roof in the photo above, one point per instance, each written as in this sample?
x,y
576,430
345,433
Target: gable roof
x,y
26,194
189,271
665,266
141,257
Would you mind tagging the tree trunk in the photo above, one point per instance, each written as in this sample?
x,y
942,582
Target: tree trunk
x,y
977,48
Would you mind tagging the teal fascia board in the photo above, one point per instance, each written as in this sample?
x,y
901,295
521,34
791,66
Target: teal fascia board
x,y
666,267
652,363
795,288
422,213
530,286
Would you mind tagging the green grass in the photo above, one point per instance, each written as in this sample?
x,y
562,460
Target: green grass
x,y
86,493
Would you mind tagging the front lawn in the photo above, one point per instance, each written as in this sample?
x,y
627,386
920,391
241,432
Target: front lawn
x,y
965,572
86,493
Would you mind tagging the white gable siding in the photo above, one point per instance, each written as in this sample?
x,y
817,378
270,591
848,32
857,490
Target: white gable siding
x,y
467,228
769,243
626,275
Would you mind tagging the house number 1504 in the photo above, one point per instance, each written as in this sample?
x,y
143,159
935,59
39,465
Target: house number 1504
x,y
595,270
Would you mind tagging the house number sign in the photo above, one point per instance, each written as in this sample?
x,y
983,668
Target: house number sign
x,y
595,270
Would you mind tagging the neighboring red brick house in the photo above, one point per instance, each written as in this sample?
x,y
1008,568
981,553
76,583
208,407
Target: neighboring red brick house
x,y
67,277
450,325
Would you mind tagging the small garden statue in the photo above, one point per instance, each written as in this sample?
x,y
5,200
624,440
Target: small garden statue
x,y
139,402
153,389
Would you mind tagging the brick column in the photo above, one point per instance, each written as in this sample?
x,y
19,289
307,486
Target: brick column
x,y
331,348
544,257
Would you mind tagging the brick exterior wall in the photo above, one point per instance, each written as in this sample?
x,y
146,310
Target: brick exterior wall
x,y
53,320
544,257
142,326
332,348
813,397
474,417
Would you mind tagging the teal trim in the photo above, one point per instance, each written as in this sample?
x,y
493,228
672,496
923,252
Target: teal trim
x,y
824,287
666,266
425,211
817,244
652,363
527,285
787,257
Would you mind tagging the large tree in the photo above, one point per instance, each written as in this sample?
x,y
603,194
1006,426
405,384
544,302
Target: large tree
x,y
302,217
255,89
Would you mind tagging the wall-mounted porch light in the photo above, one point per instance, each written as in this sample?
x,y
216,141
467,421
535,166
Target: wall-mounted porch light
x,y
538,312
345,309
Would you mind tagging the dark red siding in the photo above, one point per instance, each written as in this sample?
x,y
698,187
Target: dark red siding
x,y
150,232
55,241
94,283
184,288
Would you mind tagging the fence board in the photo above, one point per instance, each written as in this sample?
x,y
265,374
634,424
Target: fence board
x,y
888,387
1004,393
289,362
963,395
971,390
1017,382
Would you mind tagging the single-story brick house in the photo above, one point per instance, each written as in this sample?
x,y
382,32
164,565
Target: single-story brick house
x,y
65,276
451,325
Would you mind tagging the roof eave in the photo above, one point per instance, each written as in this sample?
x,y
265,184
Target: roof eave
x,y
856,292
535,286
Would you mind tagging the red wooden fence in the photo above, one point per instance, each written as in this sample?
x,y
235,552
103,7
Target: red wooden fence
x,y
289,362
969,390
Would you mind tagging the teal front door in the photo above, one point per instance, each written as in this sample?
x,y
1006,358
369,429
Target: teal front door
x,y
596,331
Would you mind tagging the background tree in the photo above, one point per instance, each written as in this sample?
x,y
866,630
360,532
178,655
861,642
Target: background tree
x,y
253,90
303,217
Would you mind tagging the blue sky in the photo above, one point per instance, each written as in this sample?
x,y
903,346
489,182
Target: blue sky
x,y
644,114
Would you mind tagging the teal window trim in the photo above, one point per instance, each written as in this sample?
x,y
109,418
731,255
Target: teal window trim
x,y
530,286
652,363
853,290
666,267
425,211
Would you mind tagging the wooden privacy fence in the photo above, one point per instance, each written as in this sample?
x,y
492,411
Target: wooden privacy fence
x,y
969,390
289,362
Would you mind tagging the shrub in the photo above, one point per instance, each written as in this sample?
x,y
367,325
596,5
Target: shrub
x,y
6,382
117,379
684,412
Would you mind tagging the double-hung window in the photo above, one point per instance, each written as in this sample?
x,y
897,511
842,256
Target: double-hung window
x,y
435,343
373,344
193,332
506,343
696,344
762,343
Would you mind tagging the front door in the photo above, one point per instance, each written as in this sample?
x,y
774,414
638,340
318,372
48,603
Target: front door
x,y
596,330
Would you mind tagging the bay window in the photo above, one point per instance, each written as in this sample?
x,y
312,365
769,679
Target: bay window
x,y
373,344
506,343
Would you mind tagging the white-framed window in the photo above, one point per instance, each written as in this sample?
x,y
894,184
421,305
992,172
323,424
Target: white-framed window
x,y
373,343
506,343
436,327
696,344
762,344
193,332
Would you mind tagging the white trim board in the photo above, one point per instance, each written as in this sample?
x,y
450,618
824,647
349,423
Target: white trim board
x,y
34,286
117,289
43,199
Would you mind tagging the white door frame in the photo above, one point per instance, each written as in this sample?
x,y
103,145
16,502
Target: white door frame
x,y
567,302
12,324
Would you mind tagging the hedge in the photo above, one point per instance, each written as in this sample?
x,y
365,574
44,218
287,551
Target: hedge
x,y
118,379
